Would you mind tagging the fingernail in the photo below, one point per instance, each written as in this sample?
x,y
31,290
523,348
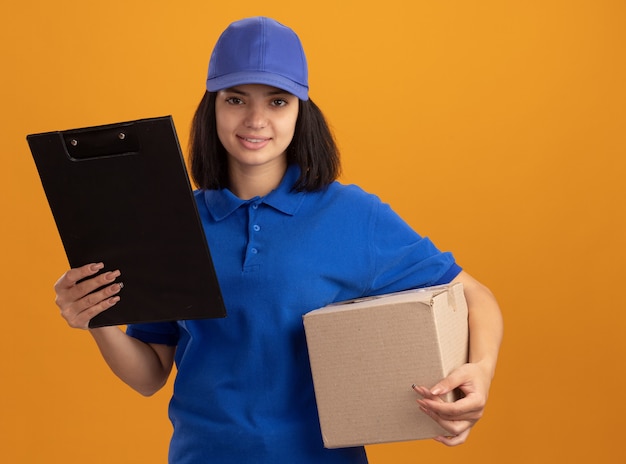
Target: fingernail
x,y
114,300
419,390
96,267
112,275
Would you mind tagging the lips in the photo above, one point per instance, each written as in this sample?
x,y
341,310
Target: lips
x,y
253,139
253,142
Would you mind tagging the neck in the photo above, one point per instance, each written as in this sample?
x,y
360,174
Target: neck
x,y
255,181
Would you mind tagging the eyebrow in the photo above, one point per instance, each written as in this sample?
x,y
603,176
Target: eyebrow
x,y
274,91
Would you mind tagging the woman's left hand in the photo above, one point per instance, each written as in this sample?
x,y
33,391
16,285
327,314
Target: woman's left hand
x,y
459,417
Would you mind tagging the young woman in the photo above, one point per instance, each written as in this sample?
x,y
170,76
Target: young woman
x,y
286,238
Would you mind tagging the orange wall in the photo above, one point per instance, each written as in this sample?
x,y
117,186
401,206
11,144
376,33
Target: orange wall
x,y
497,128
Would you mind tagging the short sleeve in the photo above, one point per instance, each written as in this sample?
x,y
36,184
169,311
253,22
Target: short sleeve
x,y
162,333
403,258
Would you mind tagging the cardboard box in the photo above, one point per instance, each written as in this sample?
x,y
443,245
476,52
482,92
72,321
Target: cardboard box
x,y
366,355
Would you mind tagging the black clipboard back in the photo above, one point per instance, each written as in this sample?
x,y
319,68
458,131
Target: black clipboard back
x,y
120,194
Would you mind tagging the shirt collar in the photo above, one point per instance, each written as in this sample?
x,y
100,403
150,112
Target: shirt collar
x,y
222,203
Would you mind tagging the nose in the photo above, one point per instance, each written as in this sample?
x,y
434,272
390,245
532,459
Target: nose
x,y
256,117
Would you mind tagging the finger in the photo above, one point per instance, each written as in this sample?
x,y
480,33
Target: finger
x,y
79,314
454,380
88,287
68,295
464,409
95,298
443,409
425,392
454,440
81,320
453,427
71,277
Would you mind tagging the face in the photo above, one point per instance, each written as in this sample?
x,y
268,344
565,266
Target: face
x,y
256,124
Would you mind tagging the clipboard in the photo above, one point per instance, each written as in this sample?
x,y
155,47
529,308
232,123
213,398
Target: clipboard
x,y
120,194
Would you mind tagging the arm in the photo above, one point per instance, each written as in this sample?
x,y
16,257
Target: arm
x,y
144,367
473,378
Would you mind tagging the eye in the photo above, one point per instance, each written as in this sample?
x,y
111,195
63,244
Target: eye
x,y
279,102
234,101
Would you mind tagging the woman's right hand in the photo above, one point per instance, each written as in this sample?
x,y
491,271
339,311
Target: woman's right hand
x,y
74,295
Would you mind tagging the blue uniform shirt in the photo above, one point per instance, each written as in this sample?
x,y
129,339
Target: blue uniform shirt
x,y
243,391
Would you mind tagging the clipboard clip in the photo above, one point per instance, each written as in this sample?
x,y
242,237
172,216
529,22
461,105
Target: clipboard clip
x,y
101,142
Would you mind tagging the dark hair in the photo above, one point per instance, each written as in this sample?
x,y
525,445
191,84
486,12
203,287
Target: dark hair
x,y
313,148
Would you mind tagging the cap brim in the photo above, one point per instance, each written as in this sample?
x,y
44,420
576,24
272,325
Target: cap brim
x,y
216,84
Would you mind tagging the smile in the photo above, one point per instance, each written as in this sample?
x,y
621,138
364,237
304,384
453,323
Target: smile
x,y
254,143
253,140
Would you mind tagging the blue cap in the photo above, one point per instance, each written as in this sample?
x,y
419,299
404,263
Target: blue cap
x,y
259,50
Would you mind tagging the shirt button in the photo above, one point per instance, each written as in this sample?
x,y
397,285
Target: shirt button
x,y
256,228
254,251
255,206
